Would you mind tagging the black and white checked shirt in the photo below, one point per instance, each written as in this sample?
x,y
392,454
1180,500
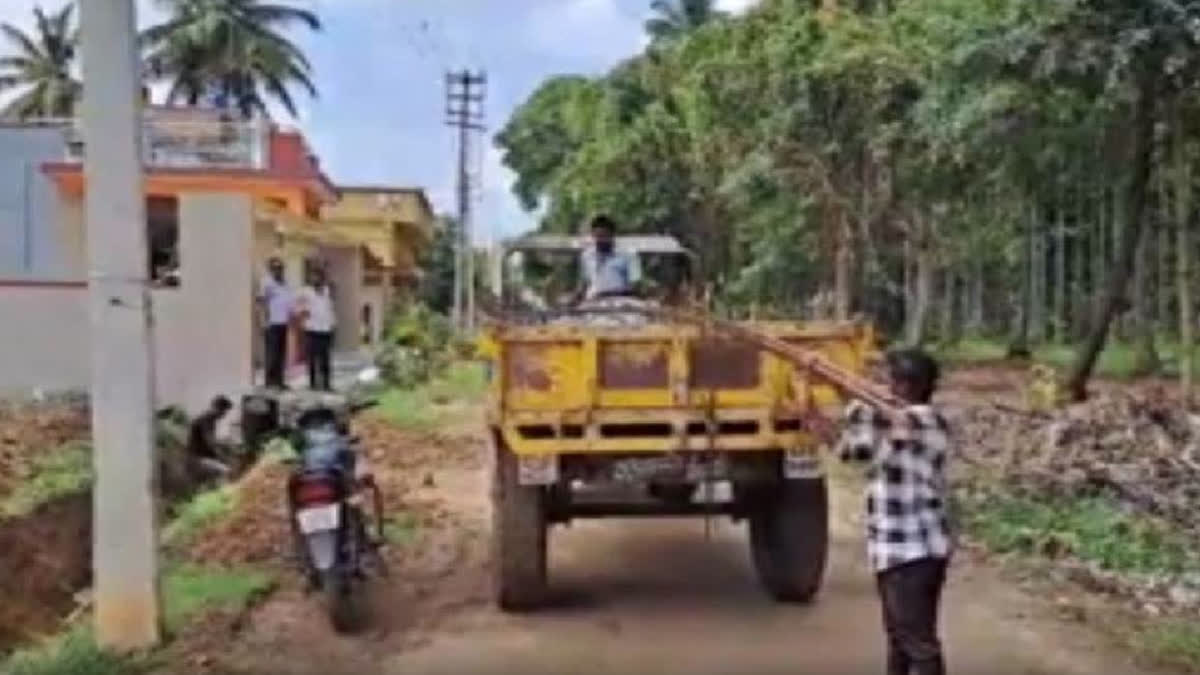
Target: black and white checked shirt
x,y
906,484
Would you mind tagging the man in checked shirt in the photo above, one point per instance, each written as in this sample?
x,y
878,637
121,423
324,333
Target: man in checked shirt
x,y
909,538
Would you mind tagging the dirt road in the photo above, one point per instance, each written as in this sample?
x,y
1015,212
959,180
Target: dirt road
x,y
637,597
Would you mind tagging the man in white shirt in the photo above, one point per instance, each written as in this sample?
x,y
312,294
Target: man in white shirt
x,y
608,271
275,305
316,307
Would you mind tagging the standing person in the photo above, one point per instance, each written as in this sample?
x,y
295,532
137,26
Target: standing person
x,y
316,307
275,303
909,536
608,271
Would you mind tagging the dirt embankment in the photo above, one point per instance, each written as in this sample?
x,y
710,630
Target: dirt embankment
x,y
46,512
45,555
435,501
28,431
46,559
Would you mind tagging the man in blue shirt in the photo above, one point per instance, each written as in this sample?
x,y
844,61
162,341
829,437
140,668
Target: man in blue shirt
x,y
608,271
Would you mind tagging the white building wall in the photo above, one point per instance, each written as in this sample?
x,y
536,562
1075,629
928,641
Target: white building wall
x,y
202,330
45,337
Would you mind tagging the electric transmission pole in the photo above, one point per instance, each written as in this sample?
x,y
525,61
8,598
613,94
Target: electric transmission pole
x,y
464,111
125,542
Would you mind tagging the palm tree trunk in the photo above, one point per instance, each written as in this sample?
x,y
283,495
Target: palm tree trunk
x,y
949,288
907,282
1037,311
1143,149
1079,284
1182,175
1060,275
1099,250
1117,228
975,301
1145,359
842,271
1019,347
923,284
1162,273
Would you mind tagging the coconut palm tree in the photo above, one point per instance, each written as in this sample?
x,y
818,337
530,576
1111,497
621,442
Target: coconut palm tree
x,y
675,18
230,53
39,72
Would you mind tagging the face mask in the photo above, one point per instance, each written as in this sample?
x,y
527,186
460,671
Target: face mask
x,y
604,247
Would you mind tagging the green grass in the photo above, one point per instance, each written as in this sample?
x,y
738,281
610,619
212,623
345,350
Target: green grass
x,y
62,471
1095,530
1174,643
1091,529
73,652
1118,360
201,511
973,350
190,590
423,408
400,530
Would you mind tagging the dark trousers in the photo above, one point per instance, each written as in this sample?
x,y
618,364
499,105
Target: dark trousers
x,y
911,594
275,351
317,348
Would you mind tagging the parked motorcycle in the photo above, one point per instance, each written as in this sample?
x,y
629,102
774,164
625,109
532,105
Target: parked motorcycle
x,y
326,510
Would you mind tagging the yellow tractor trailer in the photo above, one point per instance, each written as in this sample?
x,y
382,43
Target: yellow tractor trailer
x,y
625,408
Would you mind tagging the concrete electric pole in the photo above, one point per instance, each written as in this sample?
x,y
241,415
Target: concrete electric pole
x,y
464,110
125,534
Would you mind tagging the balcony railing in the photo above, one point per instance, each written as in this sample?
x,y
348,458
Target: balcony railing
x,y
192,143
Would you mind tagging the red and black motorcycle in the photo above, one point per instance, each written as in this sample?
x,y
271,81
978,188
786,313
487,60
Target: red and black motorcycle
x,y
325,494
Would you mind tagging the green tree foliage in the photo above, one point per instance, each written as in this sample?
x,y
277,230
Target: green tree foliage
x,y
675,18
38,67
231,53
437,287
942,165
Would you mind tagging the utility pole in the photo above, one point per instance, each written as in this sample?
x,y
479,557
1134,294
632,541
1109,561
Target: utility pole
x,y
125,533
465,92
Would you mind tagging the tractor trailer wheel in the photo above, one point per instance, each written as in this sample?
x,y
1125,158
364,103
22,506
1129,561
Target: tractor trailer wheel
x,y
518,535
789,539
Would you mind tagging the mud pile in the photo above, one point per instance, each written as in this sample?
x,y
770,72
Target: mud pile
x,y
1142,447
46,558
1136,446
29,430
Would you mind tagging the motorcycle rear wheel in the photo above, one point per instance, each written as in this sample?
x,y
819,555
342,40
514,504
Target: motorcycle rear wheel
x,y
342,601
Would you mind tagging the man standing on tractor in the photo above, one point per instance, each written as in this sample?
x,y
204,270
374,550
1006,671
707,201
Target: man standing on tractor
x,y
608,271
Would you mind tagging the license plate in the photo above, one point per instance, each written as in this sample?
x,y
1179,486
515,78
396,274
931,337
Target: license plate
x,y
802,464
318,519
719,492
537,470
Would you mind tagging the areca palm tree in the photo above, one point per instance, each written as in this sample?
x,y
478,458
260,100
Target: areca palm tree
x,y
230,53
39,72
679,17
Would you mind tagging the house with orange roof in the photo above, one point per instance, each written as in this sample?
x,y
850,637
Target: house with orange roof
x,y
223,195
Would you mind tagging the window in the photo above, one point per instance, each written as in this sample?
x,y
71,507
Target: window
x,y
162,234
372,271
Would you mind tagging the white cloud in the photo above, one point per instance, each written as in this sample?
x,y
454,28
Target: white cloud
x,y
735,6
592,31
505,214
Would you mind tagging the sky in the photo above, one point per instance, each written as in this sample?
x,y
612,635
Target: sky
x,y
380,69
